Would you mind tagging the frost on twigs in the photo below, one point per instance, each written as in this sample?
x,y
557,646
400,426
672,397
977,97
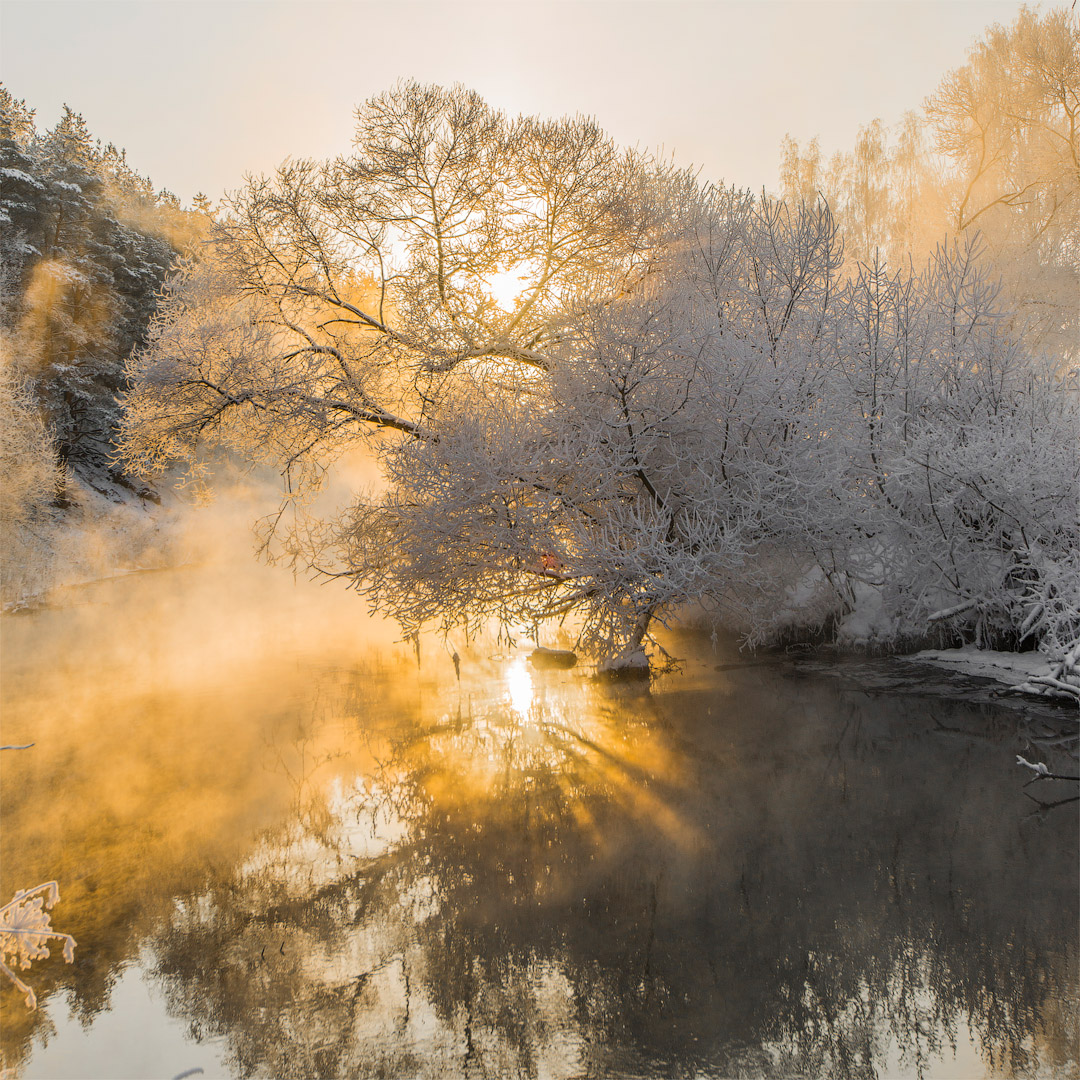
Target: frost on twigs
x,y
1041,771
25,931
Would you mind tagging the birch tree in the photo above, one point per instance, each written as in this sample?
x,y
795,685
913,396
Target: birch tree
x,y
995,150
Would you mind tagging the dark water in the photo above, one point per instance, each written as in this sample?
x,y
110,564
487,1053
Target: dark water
x,y
283,858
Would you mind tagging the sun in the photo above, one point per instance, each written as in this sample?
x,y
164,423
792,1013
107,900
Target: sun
x,y
506,286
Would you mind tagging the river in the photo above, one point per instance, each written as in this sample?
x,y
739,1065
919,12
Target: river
x,y
285,848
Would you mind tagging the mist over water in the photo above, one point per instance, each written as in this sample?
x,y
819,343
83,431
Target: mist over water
x,y
286,849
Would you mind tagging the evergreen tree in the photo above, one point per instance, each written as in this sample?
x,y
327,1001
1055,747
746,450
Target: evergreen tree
x,y
86,247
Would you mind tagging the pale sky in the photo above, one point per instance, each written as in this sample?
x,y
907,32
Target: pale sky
x,y
201,93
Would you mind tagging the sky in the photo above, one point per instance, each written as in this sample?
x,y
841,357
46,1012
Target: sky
x,y
200,94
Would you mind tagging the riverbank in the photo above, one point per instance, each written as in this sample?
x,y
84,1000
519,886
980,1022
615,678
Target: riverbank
x,y
1025,673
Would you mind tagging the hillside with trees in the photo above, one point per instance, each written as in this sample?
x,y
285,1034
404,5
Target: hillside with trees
x,y
86,245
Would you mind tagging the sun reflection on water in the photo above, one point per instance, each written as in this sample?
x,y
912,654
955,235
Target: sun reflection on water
x,y
513,858
519,684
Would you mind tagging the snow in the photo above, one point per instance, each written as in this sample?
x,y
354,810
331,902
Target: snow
x,y
1024,673
627,662
1037,767
1009,668
26,178
868,621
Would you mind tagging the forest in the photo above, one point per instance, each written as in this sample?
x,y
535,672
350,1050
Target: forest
x,y
598,387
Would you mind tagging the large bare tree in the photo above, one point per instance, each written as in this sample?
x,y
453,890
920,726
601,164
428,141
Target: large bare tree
x,y
497,293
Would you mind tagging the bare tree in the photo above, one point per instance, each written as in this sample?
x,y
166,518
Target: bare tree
x,y
370,293
995,151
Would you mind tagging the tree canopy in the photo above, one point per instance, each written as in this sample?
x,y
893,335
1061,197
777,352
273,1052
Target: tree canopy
x,y
995,150
86,246
600,390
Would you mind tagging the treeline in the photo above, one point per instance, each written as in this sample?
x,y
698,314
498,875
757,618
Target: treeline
x,y
86,244
993,152
696,397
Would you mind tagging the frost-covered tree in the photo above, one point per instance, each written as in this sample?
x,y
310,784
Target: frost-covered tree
x,y
994,150
573,444
29,479
953,486
1009,121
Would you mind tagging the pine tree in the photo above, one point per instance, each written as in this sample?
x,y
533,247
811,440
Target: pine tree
x,y
86,247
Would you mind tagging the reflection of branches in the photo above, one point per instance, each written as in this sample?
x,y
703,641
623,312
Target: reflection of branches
x,y
297,758
1045,806
609,878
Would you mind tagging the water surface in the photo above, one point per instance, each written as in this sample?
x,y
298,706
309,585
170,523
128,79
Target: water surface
x,y
287,850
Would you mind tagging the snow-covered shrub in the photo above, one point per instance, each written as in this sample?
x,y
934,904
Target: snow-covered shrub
x,y
30,477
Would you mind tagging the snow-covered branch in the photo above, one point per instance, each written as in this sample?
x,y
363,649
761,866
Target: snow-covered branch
x,y
25,933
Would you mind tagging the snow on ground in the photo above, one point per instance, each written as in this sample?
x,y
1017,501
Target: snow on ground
x,y
1006,667
1024,673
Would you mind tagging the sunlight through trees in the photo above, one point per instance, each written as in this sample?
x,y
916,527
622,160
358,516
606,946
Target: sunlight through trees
x,y
689,400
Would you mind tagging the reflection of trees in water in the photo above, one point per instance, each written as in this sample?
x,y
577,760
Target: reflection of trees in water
x,y
128,799
619,884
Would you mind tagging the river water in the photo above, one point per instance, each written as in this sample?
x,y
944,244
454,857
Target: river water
x,y
287,850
